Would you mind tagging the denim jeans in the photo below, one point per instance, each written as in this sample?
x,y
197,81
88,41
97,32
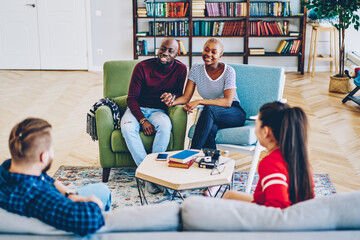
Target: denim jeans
x,y
130,128
100,190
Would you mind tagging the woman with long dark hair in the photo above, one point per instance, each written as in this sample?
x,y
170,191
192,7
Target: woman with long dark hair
x,y
285,177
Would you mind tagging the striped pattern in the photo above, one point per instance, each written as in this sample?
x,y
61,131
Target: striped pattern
x,y
272,179
209,88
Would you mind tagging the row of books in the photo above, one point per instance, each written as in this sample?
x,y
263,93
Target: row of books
x,y
198,8
270,9
288,46
142,48
166,9
226,9
264,28
173,28
218,28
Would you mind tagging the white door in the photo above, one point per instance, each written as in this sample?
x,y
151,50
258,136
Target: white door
x,y
62,34
19,42
43,34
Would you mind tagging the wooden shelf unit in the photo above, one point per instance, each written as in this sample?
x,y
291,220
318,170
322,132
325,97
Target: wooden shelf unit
x,y
247,38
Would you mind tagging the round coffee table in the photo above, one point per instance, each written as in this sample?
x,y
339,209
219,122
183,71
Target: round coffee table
x,y
179,179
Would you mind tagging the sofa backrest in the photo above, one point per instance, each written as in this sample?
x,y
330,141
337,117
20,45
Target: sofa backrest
x,y
257,85
117,77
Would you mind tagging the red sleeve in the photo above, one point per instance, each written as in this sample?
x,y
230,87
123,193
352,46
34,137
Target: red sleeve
x,y
137,79
274,183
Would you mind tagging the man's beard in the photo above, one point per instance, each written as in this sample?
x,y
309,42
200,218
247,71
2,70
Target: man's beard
x,y
47,167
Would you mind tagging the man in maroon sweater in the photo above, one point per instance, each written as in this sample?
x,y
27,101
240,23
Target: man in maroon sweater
x,y
154,82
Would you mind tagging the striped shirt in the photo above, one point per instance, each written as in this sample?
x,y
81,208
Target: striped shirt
x,y
213,89
273,186
37,197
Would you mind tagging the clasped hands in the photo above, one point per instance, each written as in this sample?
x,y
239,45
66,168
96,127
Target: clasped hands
x,y
169,99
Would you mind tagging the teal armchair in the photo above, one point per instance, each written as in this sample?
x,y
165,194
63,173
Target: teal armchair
x,y
112,147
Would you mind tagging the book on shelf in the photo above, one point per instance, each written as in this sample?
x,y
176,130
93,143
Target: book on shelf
x,y
141,34
264,28
166,9
219,28
281,46
185,156
286,27
182,47
198,8
256,51
288,46
142,48
141,12
181,165
276,9
293,34
169,28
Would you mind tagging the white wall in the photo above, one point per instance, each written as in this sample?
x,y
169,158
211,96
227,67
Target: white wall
x,y
112,32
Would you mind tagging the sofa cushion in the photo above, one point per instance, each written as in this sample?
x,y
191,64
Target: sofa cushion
x,y
244,135
340,211
160,217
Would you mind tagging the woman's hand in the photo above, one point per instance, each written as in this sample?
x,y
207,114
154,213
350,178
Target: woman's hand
x,y
189,107
168,99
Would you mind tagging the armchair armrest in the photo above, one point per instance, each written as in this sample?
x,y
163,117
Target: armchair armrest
x,y
104,127
122,103
178,117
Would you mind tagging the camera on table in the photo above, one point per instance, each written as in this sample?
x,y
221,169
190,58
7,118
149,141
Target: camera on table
x,y
211,158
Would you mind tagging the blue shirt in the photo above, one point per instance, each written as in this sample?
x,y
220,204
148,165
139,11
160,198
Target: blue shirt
x,y
36,196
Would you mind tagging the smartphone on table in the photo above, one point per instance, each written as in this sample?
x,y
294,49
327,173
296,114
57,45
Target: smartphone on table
x,y
162,157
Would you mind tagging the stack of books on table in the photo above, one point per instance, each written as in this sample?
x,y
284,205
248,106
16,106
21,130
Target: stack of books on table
x,y
198,8
256,51
184,159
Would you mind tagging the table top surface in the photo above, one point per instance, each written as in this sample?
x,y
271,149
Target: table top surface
x,y
159,172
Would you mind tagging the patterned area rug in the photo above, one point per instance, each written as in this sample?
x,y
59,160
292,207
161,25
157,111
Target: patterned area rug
x,y
125,193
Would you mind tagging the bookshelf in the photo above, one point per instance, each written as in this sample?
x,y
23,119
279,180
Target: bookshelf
x,y
232,23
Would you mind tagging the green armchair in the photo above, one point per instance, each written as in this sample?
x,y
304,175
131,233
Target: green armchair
x,y
112,147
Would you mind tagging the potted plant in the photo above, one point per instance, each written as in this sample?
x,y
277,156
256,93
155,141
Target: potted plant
x,y
347,12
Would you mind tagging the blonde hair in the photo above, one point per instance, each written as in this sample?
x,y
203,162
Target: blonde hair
x,y
29,138
217,41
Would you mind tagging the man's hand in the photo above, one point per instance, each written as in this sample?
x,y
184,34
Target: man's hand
x,y
168,99
91,198
148,128
189,107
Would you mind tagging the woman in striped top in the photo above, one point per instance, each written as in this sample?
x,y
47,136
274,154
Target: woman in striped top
x,y
285,177
215,82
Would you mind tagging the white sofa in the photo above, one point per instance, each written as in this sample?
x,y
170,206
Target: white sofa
x,y
333,217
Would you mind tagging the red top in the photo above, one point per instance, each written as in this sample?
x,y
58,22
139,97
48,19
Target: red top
x,y
273,186
150,79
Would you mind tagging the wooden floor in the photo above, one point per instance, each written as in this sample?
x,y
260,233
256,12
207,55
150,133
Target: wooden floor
x,y
64,97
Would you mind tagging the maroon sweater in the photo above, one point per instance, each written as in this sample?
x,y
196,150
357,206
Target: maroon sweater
x,y
150,79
